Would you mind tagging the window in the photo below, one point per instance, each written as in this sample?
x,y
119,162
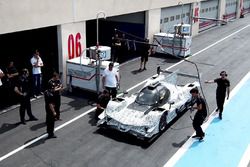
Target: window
x,y
161,21
206,10
183,15
172,18
177,17
188,14
166,20
210,9
202,10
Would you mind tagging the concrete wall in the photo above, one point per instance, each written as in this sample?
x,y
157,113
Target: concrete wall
x,y
195,22
18,15
152,27
222,9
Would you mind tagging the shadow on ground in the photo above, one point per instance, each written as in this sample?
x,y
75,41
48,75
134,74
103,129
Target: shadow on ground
x,y
178,145
8,126
38,126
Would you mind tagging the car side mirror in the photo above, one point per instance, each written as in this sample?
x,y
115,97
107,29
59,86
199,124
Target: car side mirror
x,y
158,70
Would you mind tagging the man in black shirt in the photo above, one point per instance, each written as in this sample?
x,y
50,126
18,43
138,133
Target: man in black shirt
x,y
200,114
102,103
146,51
56,85
22,88
116,48
223,87
50,112
11,79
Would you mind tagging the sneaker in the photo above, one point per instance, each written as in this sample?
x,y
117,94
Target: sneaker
x,y
51,136
195,136
220,116
144,68
201,139
217,109
23,122
34,96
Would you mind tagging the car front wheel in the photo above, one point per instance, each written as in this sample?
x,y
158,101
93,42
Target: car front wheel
x,y
163,123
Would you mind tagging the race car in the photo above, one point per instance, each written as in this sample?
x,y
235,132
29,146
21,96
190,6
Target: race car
x,y
148,112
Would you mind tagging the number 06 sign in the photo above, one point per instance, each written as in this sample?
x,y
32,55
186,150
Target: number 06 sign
x,y
74,45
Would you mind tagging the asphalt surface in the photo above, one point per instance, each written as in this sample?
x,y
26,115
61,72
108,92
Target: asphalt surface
x,y
81,143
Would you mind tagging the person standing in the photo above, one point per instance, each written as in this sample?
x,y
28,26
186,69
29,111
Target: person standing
x,y
147,51
36,63
223,88
50,112
116,45
22,88
110,80
102,103
56,85
124,49
10,82
200,114
1,90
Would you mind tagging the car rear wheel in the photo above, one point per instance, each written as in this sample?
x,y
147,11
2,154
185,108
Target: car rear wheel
x,y
163,123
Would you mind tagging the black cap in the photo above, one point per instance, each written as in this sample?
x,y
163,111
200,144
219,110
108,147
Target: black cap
x,y
194,90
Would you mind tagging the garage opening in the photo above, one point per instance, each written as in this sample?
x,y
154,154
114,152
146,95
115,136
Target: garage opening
x,y
20,46
130,24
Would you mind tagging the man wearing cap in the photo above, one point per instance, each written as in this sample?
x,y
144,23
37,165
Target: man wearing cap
x,y
56,85
110,80
223,88
50,104
22,88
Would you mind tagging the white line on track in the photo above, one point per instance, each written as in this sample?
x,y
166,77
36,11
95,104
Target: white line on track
x,y
245,159
78,117
173,160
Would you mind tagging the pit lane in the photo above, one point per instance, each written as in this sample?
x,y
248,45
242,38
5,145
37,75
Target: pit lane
x,y
83,144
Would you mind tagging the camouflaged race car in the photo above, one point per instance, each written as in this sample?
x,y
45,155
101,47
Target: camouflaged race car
x,y
148,112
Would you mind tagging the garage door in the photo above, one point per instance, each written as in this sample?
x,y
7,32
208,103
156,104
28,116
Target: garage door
x,y
174,15
231,6
208,9
132,25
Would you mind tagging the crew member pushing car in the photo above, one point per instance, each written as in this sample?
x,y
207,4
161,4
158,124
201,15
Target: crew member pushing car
x,y
200,114
102,103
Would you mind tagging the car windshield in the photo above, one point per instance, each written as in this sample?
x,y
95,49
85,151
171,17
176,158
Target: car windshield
x,y
147,97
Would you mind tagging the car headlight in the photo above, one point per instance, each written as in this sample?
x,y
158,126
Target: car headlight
x,y
149,129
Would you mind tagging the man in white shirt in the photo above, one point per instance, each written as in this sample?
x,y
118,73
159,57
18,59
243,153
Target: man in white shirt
x,y
36,63
110,80
1,90
1,76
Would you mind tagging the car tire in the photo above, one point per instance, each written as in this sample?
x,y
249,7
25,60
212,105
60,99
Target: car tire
x,y
162,123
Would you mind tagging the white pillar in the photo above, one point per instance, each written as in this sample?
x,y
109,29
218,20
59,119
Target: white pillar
x,y
195,22
71,42
221,9
239,8
152,23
